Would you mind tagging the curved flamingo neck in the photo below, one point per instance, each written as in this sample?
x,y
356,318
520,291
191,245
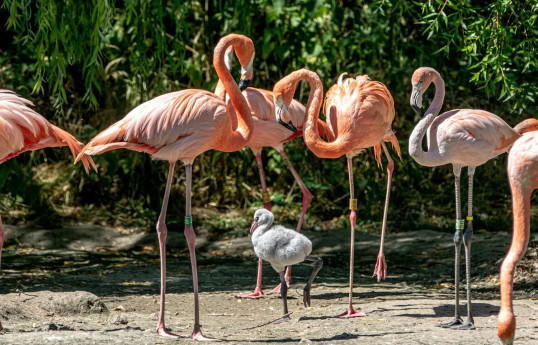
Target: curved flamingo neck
x,y
431,157
311,134
220,91
233,140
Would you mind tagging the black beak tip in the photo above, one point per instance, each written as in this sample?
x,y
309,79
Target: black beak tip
x,y
418,110
244,83
288,125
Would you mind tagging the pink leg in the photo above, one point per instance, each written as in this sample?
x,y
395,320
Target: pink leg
x,y
381,267
307,198
258,293
350,312
191,241
162,232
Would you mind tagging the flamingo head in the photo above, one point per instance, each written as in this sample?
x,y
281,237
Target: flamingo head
x,y
261,217
246,59
283,95
421,80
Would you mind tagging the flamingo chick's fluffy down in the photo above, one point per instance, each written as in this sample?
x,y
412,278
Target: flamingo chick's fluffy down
x,y
277,245
282,247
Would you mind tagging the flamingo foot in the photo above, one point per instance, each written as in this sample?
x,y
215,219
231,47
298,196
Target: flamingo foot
x,y
349,313
469,325
380,268
258,293
456,322
197,335
277,289
165,333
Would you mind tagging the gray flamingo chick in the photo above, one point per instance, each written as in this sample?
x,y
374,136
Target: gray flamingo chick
x,y
282,247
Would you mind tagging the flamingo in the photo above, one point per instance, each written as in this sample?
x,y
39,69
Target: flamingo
x,y
267,132
360,113
282,247
523,177
23,129
180,126
461,137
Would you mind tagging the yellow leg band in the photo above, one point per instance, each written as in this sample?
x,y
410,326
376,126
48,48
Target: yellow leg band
x,y
470,218
353,204
266,197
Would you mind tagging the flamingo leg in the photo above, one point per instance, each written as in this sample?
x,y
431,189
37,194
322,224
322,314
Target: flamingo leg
x,y
191,241
506,325
307,198
350,312
457,248
284,295
467,236
381,267
318,263
258,293
162,231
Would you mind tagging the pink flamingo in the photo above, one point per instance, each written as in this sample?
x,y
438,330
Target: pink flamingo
x,y
462,137
180,126
267,132
523,177
360,113
22,129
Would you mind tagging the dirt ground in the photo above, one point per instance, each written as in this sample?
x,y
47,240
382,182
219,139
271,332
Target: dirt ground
x,y
96,285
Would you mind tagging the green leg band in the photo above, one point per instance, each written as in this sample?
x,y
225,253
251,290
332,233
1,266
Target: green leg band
x,y
188,220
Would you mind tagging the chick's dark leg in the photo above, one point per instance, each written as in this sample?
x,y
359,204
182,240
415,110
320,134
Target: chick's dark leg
x,y
318,263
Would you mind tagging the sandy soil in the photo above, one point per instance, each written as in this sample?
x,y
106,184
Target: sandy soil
x,y
98,285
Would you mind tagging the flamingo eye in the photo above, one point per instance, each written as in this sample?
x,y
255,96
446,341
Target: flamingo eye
x,y
256,219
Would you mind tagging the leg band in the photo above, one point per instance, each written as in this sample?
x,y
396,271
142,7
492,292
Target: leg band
x,y
460,224
266,197
188,220
470,218
353,204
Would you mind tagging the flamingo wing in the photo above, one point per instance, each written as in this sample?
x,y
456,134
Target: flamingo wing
x,y
481,134
173,126
22,129
362,108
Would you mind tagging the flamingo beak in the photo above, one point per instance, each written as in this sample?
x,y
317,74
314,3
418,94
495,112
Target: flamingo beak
x,y
244,83
253,227
289,125
416,100
246,75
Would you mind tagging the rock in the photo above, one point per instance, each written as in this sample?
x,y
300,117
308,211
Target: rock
x,y
77,302
118,319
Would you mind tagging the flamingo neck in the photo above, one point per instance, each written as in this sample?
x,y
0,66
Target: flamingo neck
x,y
431,157
233,140
311,135
259,232
220,91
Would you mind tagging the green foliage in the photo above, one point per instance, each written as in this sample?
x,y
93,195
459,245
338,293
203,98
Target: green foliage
x,y
498,43
89,62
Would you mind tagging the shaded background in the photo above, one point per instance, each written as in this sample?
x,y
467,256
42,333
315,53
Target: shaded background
x,y
85,64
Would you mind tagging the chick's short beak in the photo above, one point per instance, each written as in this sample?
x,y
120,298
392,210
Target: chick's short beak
x,y
253,227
